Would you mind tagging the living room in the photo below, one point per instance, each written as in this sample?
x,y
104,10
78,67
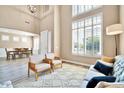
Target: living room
x,y
69,39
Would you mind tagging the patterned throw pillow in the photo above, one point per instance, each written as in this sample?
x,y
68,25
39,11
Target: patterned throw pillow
x,y
118,68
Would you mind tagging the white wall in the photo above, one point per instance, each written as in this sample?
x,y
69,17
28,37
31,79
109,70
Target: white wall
x,y
122,35
19,17
57,31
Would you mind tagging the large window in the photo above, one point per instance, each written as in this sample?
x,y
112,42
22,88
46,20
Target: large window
x,y
5,37
86,35
78,9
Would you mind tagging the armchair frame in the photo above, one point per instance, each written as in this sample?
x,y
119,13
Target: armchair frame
x,y
32,66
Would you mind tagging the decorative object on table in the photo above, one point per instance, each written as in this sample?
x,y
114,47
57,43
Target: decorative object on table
x,y
115,30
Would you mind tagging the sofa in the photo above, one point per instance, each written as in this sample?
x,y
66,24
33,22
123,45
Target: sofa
x,y
118,72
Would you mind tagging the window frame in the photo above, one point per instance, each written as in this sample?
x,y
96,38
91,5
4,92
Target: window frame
x,y
92,25
81,13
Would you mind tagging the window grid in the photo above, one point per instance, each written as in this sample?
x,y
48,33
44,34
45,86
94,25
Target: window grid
x,y
92,25
78,9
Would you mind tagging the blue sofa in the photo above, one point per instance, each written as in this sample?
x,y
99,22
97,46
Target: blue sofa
x,y
118,72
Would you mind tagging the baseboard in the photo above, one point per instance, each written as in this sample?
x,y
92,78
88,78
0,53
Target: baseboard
x,y
76,63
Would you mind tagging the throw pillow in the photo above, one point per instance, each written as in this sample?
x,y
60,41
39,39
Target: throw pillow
x,y
108,59
103,68
95,80
118,68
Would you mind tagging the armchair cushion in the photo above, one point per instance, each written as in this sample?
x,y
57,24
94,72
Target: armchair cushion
x,y
42,67
55,62
50,55
36,58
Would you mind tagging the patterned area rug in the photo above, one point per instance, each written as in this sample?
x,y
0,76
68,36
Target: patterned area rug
x,y
67,76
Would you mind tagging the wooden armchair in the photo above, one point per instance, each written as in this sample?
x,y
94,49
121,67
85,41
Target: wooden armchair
x,y
54,61
37,65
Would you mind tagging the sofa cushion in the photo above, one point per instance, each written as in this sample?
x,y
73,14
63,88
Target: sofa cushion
x,y
95,80
84,84
118,69
103,68
92,73
42,67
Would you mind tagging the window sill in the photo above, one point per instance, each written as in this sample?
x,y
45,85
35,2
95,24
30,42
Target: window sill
x,y
89,56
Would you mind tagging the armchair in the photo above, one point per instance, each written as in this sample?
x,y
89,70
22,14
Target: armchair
x,y
37,65
53,60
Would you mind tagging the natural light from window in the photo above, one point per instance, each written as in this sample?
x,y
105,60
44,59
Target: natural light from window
x,y
86,35
79,9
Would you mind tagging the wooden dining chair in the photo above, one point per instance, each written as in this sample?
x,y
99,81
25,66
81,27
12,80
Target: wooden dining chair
x,y
9,53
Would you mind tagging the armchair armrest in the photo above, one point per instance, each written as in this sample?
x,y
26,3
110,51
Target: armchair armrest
x,y
31,66
57,58
48,61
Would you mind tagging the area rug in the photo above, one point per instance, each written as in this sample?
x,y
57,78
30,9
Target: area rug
x,y
67,76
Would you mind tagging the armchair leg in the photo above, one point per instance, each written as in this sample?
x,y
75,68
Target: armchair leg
x,y
50,70
28,72
53,68
61,65
36,76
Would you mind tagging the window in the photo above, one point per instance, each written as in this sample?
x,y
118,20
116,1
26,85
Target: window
x,y
86,35
24,39
78,9
16,38
5,37
36,43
